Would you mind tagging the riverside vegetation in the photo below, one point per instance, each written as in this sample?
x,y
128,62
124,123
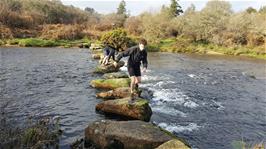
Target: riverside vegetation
x,y
215,29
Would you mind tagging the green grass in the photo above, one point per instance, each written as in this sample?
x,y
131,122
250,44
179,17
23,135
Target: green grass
x,y
36,42
182,45
2,42
32,42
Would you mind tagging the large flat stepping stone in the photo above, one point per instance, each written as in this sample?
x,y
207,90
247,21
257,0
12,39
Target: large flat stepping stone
x,y
109,68
110,83
114,75
174,144
117,93
140,110
125,135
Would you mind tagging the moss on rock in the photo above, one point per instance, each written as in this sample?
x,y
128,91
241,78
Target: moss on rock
x,y
110,83
139,110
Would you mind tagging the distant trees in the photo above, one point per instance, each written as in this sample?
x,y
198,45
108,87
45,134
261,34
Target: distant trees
x,y
89,10
262,9
215,23
175,9
121,10
251,10
20,14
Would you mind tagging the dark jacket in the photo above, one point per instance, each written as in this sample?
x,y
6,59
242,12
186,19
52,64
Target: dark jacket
x,y
109,51
136,56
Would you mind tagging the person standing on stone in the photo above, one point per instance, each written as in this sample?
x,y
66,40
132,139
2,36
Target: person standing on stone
x,y
137,55
108,52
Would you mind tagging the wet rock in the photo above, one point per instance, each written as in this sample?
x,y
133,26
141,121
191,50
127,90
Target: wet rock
x,y
125,134
109,68
174,144
110,83
97,56
139,110
114,75
84,45
121,92
117,93
95,46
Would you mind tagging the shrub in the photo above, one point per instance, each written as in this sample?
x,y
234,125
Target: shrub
x,y
2,42
110,21
133,25
5,32
13,41
117,38
60,31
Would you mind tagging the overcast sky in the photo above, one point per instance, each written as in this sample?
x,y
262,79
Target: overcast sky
x,y
135,7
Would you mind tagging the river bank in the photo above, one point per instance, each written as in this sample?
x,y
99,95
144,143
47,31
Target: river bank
x,y
168,45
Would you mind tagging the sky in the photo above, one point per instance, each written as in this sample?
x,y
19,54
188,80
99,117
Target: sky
x,y
136,7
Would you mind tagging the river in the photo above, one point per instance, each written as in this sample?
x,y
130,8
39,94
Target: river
x,y
210,101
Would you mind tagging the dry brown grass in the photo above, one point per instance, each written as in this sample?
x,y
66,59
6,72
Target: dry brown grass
x,y
61,31
5,32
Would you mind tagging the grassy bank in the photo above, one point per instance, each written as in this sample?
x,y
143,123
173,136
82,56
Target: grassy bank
x,y
36,42
180,45
173,45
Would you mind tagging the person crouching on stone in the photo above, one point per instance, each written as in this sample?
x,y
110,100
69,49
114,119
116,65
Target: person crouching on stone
x,y
108,52
137,55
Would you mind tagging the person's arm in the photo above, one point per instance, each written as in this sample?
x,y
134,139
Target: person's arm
x,y
125,53
145,61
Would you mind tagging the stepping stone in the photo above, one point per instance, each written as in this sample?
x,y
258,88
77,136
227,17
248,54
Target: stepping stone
x,y
134,134
140,110
114,75
109,68
117,93
174,144
97,56
110,83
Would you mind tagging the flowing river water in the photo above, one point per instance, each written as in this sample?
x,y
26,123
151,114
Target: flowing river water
x,y
210,101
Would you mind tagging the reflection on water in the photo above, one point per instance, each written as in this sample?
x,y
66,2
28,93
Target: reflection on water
x,y
208,100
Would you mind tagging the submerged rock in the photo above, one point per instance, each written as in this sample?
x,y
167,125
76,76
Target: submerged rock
x,y
139,110
114,75
110,83
109,68
174,144
125,135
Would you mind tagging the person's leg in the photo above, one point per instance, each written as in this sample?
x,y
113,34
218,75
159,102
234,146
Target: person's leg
x,y
132,84
138,78
104,60
107,60
105,53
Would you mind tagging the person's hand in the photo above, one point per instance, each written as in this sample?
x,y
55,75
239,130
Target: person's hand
x,y
115,63
144,69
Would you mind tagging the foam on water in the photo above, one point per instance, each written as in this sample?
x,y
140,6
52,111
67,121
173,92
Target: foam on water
x,y
190,104
148,78
192,75
173,127
168,110
170,95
